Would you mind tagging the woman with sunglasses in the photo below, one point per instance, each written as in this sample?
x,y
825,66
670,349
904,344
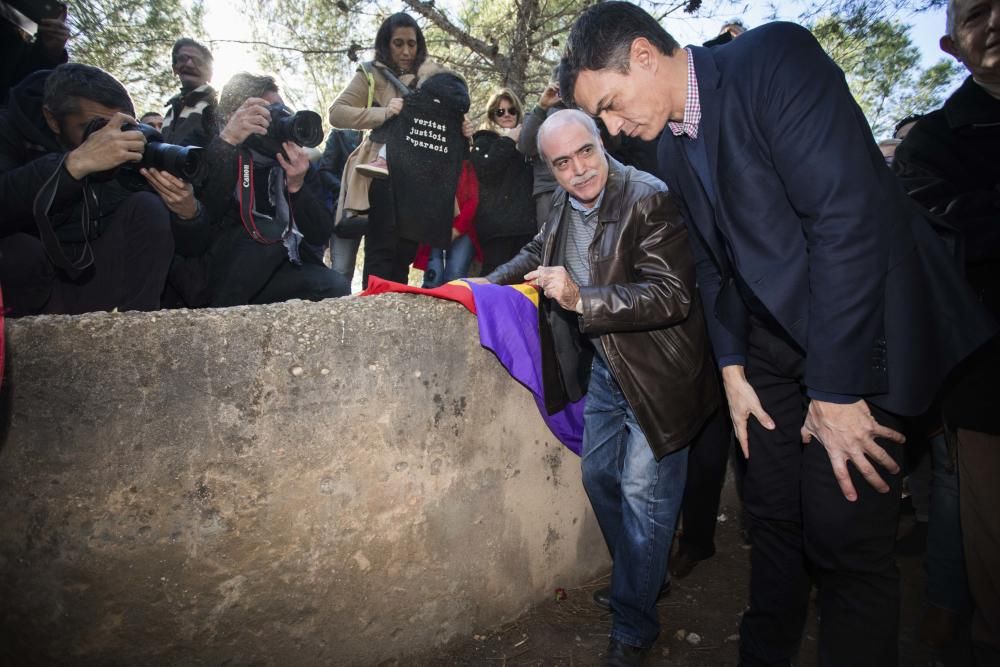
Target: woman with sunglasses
x,y
505,218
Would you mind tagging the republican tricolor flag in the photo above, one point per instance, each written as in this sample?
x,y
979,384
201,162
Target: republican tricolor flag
x,y
508,327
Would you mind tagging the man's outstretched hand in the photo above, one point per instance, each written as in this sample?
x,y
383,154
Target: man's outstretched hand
x,y
848,433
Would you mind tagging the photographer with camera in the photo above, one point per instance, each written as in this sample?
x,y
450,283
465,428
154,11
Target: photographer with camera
x,y
73,239
264,203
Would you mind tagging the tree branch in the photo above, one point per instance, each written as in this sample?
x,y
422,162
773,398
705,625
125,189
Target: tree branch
x,y
490,52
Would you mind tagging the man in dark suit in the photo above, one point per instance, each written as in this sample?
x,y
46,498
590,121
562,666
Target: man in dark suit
x,y
833,308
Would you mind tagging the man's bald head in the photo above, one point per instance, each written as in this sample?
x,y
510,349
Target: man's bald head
x,y
571,145
561,119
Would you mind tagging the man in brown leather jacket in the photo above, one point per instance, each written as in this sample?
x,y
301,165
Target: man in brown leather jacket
x,y
620,322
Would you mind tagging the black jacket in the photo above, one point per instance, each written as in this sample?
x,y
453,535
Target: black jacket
x,y
950,163
29,154
506,179
235,266
425,148
819,231
19,57
190,119
642,304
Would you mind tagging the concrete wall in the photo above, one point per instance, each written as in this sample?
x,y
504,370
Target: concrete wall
x,y
335,483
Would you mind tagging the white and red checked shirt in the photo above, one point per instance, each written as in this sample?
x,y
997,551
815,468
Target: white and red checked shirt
x,y
692,105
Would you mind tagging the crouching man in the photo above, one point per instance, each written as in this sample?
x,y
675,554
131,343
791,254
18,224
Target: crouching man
x,y
620,322
266,214
72,239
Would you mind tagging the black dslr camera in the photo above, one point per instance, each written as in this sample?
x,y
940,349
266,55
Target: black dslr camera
x,y
187,163
304,128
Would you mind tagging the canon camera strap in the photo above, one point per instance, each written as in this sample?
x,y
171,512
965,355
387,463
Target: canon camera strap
x,y
245,197
41,208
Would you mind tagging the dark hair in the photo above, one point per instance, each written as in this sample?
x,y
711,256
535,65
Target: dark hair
x,y
602,37
69,83
383,37
150,113
912,118
239,89
734,23
187,41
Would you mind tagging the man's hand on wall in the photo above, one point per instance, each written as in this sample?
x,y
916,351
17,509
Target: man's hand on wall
x,y
251,118
295,166
743,402
848,433
106,148
555,283
175,193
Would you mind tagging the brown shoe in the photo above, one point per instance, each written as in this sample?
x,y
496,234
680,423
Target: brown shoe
x,y
377,168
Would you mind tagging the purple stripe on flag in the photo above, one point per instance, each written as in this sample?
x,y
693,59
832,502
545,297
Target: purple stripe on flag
x,y
508,326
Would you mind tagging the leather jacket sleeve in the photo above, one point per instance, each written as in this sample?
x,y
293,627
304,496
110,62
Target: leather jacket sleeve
x,y
661,269
529,259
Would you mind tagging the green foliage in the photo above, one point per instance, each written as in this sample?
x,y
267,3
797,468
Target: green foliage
x,y
308,45
132,41
882,66
514,43
531,34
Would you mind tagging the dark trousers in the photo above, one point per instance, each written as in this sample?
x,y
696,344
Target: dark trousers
x,y
979,465
26,274
801,526
131,259
386,254
312,282
706,474
499,251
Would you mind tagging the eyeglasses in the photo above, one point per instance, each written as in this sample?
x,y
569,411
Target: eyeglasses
x,y
500,112
184,57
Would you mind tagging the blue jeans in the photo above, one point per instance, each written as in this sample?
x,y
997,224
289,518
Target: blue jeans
x,y
447,265
636,500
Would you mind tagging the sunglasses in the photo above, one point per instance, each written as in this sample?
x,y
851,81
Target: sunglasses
x,y
183,58
501,112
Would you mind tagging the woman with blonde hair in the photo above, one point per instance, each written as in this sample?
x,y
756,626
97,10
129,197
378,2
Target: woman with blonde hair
x,y
505,218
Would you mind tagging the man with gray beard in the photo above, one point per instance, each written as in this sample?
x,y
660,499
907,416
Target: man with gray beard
x,y
620,321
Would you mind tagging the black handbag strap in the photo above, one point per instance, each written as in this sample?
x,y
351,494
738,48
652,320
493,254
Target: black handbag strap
x,y
41,208
389,75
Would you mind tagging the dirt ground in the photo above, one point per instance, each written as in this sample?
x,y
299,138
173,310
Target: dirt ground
x,y
700,619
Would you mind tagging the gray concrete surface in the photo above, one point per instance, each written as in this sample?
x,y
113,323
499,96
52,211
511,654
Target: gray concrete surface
x,y
338,483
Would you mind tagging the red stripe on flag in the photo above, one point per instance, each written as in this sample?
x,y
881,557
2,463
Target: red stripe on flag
x,y
457,291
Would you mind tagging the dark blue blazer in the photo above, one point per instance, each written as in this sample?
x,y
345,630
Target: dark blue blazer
x,y
806,213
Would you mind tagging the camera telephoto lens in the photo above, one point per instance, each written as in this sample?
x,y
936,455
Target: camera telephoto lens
x,y
307,129
186,163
